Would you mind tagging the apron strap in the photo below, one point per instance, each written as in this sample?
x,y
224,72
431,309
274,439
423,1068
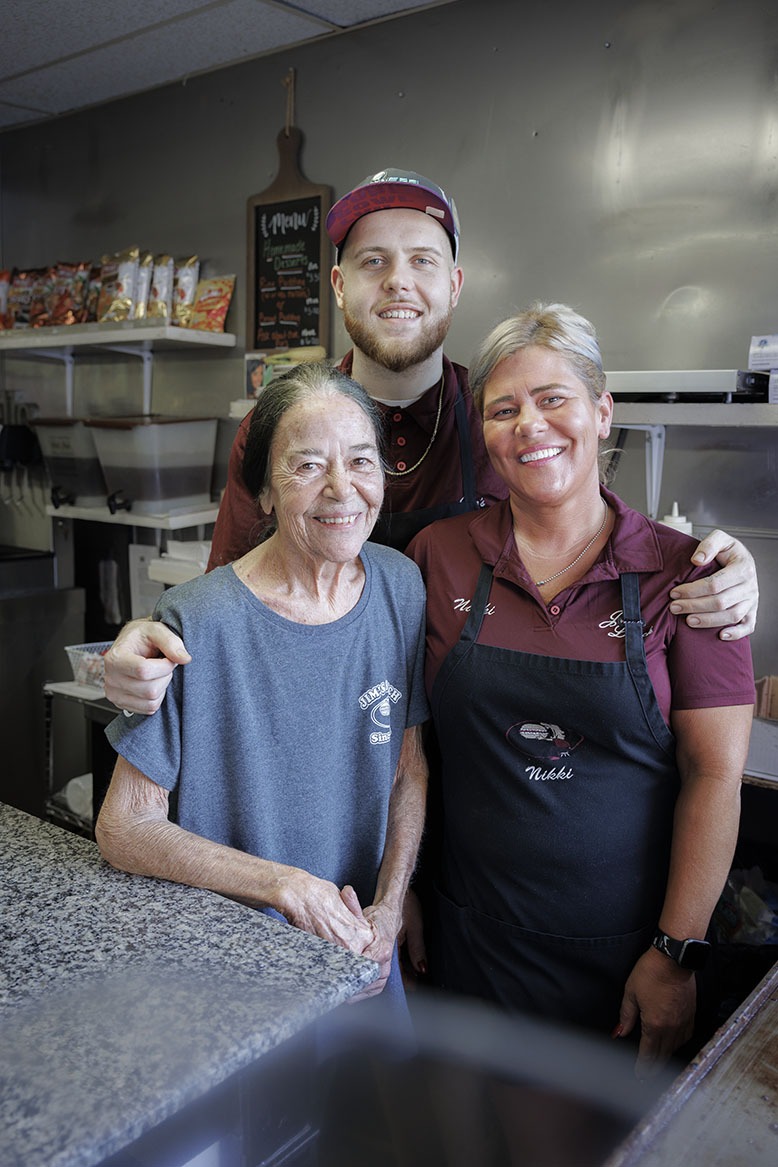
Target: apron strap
x,y
633,623
478,605
635,651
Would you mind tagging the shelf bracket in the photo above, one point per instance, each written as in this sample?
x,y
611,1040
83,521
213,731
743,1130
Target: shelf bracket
x,y
145,353
65,355
655,454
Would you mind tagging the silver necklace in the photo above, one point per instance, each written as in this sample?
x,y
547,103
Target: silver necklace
x,y
416,465
539,583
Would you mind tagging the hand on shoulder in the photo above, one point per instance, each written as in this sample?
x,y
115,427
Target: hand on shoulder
x,y
140,663
728,599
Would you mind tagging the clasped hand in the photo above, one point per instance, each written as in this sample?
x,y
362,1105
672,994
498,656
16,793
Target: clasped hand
x,y
337,915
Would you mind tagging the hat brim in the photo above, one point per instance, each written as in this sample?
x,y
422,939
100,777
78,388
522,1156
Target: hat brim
x,y
387,196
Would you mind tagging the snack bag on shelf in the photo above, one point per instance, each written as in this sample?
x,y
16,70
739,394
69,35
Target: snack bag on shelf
x,y
67,298
119,283
160,305
212,299
184,287
143,288
94,284
24,284
41,296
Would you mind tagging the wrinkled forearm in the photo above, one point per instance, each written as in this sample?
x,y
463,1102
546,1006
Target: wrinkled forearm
x,y
134,834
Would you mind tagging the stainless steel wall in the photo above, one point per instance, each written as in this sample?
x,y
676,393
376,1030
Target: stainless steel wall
x,y
621,155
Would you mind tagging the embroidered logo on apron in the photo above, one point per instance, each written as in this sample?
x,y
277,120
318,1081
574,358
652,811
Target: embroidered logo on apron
x,y
544,742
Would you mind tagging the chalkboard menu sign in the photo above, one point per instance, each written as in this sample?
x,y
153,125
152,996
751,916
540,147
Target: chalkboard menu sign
x,y
288,274
288,260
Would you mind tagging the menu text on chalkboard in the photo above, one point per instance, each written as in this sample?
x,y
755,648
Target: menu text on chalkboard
x,y
287,274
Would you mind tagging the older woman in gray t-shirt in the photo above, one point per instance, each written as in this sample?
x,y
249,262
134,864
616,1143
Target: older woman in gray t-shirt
x,y
292,738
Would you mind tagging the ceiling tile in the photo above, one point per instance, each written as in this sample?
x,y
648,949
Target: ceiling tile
x,y
12,115
59,57
208,39
345,13
40,32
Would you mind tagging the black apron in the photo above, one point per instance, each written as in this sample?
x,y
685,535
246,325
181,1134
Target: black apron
x,y
397,530
559,784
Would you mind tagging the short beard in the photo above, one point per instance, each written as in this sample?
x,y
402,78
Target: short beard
x,y
399,355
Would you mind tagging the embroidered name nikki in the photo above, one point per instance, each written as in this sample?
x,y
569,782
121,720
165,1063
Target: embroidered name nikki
x,y
556,775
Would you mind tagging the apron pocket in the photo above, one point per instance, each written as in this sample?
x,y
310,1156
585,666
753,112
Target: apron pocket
x,y
570,979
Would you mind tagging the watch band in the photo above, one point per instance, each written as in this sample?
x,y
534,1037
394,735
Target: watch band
x,y
689,953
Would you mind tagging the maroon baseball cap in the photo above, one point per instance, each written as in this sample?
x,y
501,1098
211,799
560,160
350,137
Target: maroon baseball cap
x,y
390,189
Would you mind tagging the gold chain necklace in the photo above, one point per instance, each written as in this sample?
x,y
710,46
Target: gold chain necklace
x,y
410,470
539,583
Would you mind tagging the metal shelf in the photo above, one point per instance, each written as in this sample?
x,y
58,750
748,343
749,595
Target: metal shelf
x,y
170,521
57,811
133,338
739,414
93,699
654,417
137,332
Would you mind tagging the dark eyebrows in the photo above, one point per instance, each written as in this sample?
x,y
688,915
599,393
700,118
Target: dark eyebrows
x,y
538,389
421,249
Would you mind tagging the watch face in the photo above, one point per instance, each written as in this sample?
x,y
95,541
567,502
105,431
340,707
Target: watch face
x,y
694,954
690,954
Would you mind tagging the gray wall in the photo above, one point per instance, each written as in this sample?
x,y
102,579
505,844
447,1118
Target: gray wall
x,y
621,156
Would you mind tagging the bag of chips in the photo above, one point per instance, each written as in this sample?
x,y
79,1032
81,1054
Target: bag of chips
x,y
119,284
212,299
41,296
94,285
184,287
67,298
160,306
24,286
143,288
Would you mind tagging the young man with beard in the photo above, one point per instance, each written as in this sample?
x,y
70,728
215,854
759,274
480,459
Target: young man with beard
x,y
397,281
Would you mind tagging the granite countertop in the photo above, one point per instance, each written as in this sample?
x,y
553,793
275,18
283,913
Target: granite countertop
x,y
123,999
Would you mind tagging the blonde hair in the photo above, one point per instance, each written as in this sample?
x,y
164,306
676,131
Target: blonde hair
x,y
553,326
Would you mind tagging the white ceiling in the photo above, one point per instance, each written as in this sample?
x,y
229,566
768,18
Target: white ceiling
x,y
57,56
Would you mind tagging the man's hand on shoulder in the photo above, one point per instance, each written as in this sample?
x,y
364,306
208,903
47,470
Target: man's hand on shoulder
x,y
140,663
729,598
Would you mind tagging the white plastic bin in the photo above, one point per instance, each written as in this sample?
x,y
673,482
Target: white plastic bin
x,y
70,455
155,465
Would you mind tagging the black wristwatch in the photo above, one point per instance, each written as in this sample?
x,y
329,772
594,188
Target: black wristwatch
x,y
691,954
